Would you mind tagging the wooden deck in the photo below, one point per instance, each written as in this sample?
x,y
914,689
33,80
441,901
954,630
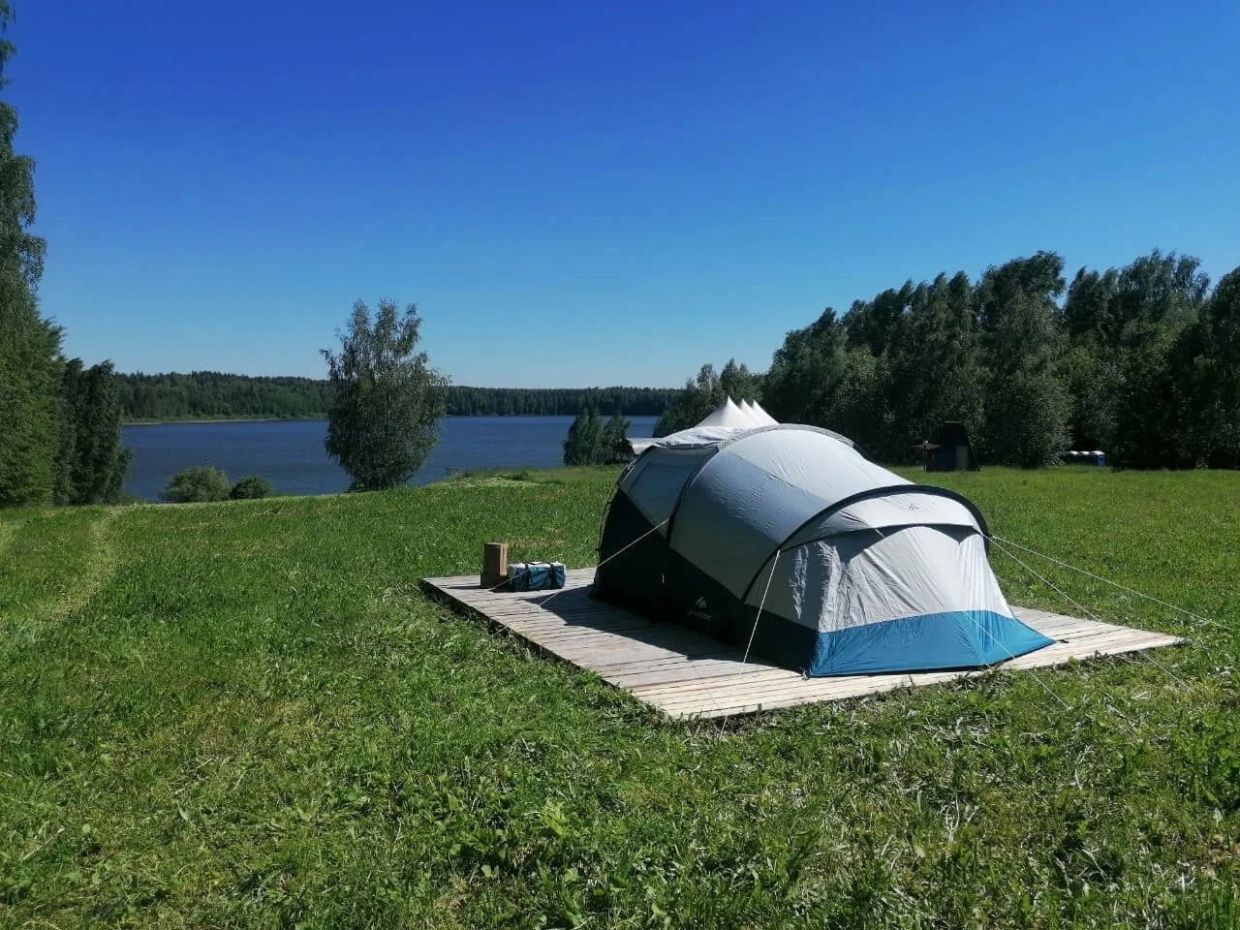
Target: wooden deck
x,y
690,675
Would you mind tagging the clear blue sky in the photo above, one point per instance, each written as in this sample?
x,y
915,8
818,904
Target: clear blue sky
x,y
585,193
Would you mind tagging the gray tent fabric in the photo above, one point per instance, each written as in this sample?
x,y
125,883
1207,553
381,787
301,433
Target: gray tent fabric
x,y
907,509
656,480
863,571
758,490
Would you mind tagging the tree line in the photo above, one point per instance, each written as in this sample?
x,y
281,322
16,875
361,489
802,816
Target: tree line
x,y
634,401
215,395
211,395
59,419
1141,361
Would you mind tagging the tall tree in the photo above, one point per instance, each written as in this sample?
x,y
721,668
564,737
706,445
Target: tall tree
x,y
877,324
1205,376
386,398
1130,329
1089,308
585,439
614,443
1092,365
821,376
1039,276
739,383
92,463
698,398
938,373
1027,403
30,412
1156,301
803,383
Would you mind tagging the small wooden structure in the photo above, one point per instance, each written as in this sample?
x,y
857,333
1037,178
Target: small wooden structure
x,y
686,674
494,564
950,450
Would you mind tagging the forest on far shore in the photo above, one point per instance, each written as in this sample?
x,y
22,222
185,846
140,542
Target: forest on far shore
x,y
211,395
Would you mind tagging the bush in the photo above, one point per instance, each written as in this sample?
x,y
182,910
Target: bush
x,y
251,489
196,485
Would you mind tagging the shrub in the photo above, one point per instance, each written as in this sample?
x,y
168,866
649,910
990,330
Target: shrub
x,y
251,489
197,484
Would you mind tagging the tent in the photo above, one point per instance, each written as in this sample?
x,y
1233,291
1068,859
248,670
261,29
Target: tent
x,y
765,417
787,538
722,421
728,414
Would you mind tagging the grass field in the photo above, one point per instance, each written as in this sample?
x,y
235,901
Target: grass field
x,y
245,714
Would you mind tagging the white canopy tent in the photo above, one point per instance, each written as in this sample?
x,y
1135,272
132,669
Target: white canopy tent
x,y
763,415
721,423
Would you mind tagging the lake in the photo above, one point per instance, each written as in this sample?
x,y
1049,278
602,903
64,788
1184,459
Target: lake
x,y
289,453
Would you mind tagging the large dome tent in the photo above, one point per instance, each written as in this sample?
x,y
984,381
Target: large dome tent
x,y
853,568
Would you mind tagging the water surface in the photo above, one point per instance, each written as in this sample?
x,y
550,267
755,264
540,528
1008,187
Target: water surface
x,y
289,453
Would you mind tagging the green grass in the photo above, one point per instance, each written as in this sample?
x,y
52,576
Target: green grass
x,y
245,714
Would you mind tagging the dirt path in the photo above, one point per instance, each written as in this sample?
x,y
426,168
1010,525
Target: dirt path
x,y
98,569
73,585
8,532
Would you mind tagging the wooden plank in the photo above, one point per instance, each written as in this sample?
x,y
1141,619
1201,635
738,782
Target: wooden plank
x,y
726,709
689,675
634,678
811,688
757,676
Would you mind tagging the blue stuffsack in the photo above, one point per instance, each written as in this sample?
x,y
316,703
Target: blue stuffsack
x,y
535,576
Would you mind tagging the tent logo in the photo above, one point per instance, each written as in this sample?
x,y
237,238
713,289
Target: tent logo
x,y
700,610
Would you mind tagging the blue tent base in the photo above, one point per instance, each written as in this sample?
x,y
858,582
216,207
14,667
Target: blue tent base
x,y
960,639
931,642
